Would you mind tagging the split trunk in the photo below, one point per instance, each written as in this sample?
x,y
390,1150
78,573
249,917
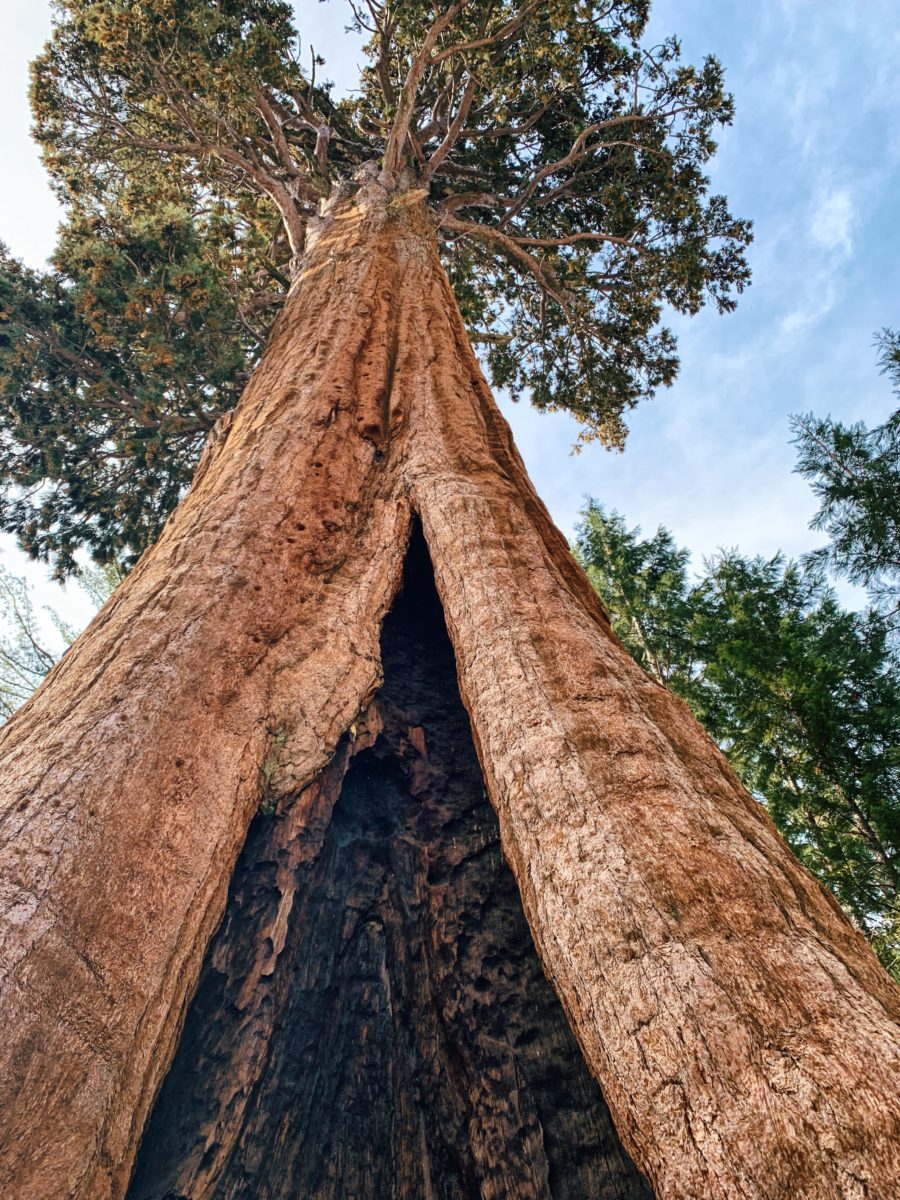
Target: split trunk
x,y
259,938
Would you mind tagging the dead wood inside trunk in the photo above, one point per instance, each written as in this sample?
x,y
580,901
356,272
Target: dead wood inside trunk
x,y
405,1041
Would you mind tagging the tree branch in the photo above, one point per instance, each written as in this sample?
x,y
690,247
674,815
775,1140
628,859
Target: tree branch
x,y
545,277
493,39
275,129
579,149
393,157
294,224
453,131
586,236
460,200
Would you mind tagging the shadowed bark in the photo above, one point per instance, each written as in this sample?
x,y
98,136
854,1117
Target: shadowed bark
x,y
745,1037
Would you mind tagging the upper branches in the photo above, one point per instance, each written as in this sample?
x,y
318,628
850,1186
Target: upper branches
x,y
216,91
565,161
566,164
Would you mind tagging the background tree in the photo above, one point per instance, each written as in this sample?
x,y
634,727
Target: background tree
x,y
855,474
644,587
802,696
30,644
25,656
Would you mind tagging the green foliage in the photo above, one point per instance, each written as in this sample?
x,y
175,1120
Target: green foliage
x,y
29,646
191,144
803,696
855,474
644,585
113,367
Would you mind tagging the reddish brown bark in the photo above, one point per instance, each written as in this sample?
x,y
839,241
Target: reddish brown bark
x,y
745,1037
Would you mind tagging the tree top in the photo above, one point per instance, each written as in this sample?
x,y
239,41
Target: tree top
x,y
563,161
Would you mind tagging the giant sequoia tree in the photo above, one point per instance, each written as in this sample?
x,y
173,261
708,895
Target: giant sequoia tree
x,y
259,938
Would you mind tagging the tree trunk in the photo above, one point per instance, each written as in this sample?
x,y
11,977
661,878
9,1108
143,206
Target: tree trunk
x,y
745,1037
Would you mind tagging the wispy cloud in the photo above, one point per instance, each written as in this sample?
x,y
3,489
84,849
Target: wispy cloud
x,y
832,221
824,242
799,320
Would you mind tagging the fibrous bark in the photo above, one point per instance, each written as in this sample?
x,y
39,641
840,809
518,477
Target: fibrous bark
x,y
745,1037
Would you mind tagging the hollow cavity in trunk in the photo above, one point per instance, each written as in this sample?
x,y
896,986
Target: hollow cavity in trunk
x,y
400,1040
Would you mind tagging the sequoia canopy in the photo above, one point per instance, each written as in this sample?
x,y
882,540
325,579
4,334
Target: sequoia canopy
x,y
192,143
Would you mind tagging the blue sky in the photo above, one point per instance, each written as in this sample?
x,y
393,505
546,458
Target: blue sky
x,y
813,158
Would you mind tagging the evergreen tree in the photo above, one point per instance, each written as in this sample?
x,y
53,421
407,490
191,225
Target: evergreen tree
x,y
855,474
29,646
644,587
25,656
802,696
564,164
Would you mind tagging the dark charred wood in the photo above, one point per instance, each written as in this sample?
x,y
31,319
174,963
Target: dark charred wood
x,y
372,1020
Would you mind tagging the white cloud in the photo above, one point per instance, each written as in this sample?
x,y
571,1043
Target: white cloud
x,y
798,320
821,261
832,221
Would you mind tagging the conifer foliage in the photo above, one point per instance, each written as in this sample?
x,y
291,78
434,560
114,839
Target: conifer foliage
x,y
855,474
115,365
803,696
192,142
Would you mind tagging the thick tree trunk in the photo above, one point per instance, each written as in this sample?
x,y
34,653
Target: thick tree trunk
x,y
745,1037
